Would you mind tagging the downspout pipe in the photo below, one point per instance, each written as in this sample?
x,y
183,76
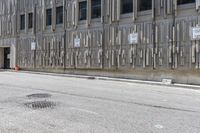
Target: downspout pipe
x,y
103,35
65,32
174,43
154,33
35,6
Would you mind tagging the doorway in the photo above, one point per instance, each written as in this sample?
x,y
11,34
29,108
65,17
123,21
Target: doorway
x,y
7,58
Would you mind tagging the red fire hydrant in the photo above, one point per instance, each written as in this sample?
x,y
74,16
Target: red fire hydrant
x,y
17,68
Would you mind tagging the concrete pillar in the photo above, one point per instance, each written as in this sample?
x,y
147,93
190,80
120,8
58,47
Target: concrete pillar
x,y
12,56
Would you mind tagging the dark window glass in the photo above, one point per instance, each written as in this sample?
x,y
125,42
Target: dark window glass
x,y
49,49
96,8
48,17
22,22
59,49
179,2
30,20
83,10
59,15
145,5
126,6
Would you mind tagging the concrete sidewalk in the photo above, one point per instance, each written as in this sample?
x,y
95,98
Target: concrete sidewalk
x,y
120,79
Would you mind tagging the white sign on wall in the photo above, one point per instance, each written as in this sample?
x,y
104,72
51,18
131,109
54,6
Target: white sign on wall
x,y
77,42
133,38
195,33
33,45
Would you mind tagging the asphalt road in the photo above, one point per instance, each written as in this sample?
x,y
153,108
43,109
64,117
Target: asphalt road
x,y
94,106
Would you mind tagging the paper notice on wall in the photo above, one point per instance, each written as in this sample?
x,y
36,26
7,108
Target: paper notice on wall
x,y
195,33
33,46
77,42
133,38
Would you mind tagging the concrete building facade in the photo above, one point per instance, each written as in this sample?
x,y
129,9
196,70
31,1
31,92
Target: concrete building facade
x,y
8,33
96,34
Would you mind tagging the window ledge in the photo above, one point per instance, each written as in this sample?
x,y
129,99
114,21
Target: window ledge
x,y
127,15
82,22
143,13
96,20
48,27
22,30
186,6
30,29
59,25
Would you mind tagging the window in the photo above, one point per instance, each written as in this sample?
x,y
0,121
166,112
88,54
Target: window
x,y
48,17
180,2
59,15
59,49
30,20
22,22
96,8
83,10
49,49
49,52
126,6
145,5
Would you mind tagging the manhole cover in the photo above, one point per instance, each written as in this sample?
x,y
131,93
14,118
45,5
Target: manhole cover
x,y
39,95
40,104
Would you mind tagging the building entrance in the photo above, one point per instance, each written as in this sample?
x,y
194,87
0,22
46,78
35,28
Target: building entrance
x,y
6,58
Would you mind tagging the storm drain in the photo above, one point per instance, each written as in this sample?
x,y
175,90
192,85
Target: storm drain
x,y
40,104
39,95
91,78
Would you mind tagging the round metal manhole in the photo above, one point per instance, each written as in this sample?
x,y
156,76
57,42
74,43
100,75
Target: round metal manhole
x,y
39,95
40,104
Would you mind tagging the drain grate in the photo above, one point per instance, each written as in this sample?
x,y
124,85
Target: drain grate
x,y
40,104
91,78
39,95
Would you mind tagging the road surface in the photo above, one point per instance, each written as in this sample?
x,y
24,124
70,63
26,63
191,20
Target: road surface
x,y
78,105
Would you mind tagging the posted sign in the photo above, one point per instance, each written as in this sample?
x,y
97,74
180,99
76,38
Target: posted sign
x,y
133,38
33,46
77,42
195,33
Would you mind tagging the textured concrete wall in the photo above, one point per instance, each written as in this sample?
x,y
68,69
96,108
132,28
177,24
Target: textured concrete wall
x,y
8,27
171,47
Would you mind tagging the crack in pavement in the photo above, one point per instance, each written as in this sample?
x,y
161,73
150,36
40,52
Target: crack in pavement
x,y
102,98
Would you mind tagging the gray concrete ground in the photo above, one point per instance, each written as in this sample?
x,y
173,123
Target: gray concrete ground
x,y
95,106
